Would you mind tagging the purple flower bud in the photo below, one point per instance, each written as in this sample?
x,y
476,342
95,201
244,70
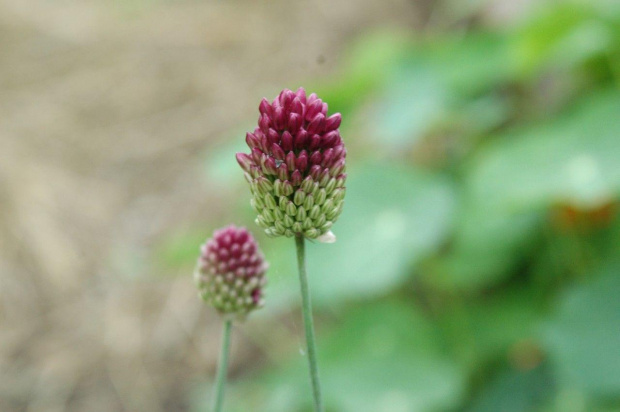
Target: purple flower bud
x,y
270,165
294,122
315,158
278,118
296,178
297,106
338,167
264,142
264,107
313,109
339,151
333,122
328,155
256,155
324,177
324,109
329,139
245,161
311,99
264,122
315,142
316,125
286,98
296,166
287,141
273,137
230,273
315,172
252,140
301,140
302,161
283,172
301,94
290,161
277,152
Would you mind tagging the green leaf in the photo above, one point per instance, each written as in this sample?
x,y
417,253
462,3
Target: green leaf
x,y
384,357
583,337
387,357
436,83
483,330
561,35
487,248
393,217
473,64
573,160
516,391
415,100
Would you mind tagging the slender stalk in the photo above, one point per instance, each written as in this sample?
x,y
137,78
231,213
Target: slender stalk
x,y
308,323
222,368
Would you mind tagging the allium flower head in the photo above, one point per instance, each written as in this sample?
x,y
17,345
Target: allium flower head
x,y
230,273
296,166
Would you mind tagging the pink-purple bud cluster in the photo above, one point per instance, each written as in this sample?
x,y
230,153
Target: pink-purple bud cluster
x,y
296,166
230,273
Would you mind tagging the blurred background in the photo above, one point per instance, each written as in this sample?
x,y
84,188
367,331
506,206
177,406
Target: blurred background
x,y
477,262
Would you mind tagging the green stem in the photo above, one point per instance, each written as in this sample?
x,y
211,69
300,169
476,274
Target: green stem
x,y
222,368
308,323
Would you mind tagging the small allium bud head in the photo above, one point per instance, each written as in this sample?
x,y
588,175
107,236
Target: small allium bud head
x,y
296,166
230,273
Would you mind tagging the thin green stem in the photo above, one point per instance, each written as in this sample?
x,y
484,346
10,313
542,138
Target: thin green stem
x,y
222,368
308,323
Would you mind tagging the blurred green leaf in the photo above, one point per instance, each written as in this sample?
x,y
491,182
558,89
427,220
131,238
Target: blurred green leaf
x,y
387,358
484,330
384,357
414,101
473,64
503,320
367,65
449,92
573,160
560,35
393,217
487,247
516,391
583,337
438,81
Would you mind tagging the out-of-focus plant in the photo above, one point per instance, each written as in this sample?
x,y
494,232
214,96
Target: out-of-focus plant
x,y
230,275
477,264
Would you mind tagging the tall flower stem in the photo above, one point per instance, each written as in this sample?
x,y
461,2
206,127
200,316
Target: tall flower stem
x,y
308,323
222,368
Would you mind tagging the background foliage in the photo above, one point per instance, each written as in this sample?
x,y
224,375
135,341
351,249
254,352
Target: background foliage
x,y
476,267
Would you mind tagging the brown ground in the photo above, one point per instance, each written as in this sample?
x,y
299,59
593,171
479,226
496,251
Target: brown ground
x,y
106,111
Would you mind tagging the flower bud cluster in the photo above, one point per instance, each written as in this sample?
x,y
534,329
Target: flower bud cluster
x,y
230,272
296,166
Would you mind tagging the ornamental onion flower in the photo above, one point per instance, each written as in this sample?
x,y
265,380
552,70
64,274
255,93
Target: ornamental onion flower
x,y
230,272
296,166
